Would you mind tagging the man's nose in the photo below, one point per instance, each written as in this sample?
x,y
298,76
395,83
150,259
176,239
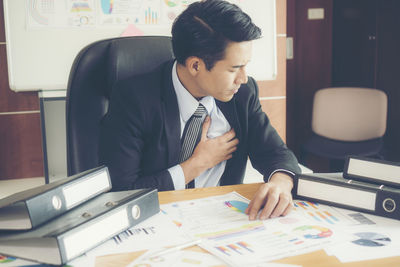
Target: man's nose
x,y
242,76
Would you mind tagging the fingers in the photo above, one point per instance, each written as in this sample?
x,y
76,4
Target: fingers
x,y
257,202
205,127
288,209
228,136
269,202
280,205
269,207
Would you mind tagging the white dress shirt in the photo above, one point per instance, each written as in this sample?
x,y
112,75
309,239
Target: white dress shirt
x,y
219,125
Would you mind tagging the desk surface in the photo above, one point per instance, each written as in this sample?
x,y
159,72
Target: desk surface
x,y
317,258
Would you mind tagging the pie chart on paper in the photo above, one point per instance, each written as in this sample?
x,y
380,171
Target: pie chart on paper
x,y
370,239
236,205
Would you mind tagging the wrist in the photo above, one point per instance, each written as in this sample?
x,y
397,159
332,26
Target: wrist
x,y
283,179
191,169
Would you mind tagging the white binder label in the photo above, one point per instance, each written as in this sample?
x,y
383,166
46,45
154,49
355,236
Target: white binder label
x,y
337,194
82,190
93,234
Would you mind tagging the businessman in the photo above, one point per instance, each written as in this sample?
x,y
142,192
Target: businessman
x,y
194,121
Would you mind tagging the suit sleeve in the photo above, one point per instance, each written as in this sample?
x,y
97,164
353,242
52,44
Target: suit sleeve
x,y
122,140
267,151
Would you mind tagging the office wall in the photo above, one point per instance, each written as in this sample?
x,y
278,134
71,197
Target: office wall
x,y
308,71
311,68
20,134
273,92
20,137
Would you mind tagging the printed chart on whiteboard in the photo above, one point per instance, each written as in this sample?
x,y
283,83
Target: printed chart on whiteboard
x,y
45,26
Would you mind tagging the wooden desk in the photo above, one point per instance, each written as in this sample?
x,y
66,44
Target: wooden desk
x,y
317,258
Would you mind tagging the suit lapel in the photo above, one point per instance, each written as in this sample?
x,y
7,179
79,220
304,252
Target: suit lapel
x,y
230,113
171,117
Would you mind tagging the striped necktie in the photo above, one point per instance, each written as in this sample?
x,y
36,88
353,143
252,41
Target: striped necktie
x,y
191,135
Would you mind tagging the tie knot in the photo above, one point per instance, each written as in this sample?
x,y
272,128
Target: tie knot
x,y
200,111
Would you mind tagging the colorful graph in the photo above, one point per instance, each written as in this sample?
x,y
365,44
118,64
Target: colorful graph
x,y
79,7
5,259
306,204
320,213
171,3
323,216
240,247
107,6
369,239
236,205
313,231
233,232
150,16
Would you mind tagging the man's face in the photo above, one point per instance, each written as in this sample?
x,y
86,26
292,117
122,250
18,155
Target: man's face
x,y
225,78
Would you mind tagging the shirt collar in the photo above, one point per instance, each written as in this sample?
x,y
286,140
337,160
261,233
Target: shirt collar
x,y
186,102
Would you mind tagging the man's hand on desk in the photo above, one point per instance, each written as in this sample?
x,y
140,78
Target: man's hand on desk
x,y
274,198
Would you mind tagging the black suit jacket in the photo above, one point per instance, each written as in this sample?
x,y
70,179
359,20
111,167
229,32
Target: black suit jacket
x,y
140,135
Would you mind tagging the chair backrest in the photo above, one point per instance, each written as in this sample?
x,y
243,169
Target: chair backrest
x,y
349,113
94,72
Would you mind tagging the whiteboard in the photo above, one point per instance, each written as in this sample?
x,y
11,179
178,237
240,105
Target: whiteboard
x,y
40,57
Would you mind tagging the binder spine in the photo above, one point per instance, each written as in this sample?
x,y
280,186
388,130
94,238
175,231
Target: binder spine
x,y
98,229
65,197
372,171
377,200
388,204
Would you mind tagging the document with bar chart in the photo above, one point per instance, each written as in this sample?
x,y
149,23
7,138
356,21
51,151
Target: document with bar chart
x,y
227,233
329,215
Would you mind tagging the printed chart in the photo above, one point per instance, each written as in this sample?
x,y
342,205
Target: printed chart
x,y
321,213
236,205
313,231
226,231
268,245
5,259
370,239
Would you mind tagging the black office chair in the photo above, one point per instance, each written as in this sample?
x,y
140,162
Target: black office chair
x,y
94,72
346,121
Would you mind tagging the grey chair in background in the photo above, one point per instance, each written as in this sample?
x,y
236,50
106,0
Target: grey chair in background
x,y
347,121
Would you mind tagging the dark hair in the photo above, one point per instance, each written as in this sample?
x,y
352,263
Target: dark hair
x,y
205,28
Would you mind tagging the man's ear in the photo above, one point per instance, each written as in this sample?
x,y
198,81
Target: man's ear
x,y
194,65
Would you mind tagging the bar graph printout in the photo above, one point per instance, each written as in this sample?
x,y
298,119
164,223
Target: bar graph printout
x,y
328,215
227,232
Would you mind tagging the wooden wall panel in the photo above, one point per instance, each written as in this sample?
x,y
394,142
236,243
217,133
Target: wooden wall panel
x,y
277,87
11,101
276,110
281,7
20,135
273,92
21,146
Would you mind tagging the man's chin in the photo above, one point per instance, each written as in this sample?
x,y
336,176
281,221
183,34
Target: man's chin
x,y
226,98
